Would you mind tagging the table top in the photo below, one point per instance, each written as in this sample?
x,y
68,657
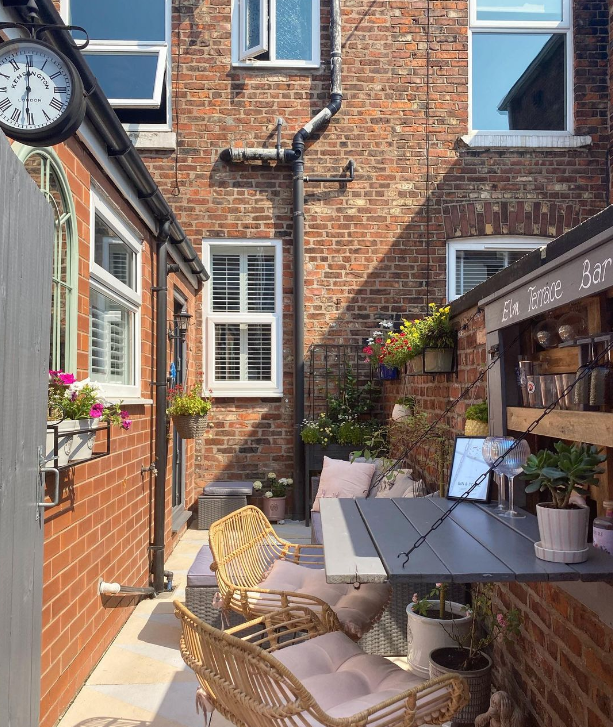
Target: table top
x,y
363,539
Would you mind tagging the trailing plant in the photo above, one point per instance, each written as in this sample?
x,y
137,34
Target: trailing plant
x,y
376,342
352,400
413,334
478,412
396,350
72,399
570,468
435,329
188,401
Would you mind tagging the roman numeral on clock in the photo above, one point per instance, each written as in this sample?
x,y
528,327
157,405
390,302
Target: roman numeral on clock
x,y
60,89
30,118
4,75
15,115
55,75
3,88
55,104
14,63
5,104
45,115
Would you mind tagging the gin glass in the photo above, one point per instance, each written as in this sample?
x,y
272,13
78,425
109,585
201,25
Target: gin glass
x,y
511,466
491,451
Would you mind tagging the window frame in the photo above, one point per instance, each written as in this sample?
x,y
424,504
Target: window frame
x,y
497,243
267,27
108,285
264,389
523,27
164,64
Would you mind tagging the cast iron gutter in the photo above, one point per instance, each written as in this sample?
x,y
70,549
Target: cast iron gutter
x,y
295,157
118,143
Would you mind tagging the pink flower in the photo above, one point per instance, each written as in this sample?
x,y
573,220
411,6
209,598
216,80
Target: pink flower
x,y
124,414
502,622
439,585
67,379
367,350
415,599
95,413
126,424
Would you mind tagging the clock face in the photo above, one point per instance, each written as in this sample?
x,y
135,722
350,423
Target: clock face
x,y
35,86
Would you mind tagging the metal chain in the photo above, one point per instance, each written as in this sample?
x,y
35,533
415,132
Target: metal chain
x,y
585,372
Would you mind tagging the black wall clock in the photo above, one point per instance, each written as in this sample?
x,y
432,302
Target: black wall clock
x,y
41,93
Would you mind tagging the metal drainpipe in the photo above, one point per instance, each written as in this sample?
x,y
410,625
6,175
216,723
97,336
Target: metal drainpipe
x,y
161,364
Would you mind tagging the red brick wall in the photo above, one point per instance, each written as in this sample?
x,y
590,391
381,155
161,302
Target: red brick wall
x,y
367,250
103,525
560,669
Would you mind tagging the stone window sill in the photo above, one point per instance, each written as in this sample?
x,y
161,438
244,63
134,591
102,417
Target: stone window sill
x,y
154,140
479,140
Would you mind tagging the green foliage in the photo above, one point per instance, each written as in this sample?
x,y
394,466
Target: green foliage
x,y
435,329
409,401
351,433
188,401
478,412
352,399
571,468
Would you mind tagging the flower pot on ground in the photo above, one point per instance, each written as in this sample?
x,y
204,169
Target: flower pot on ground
x,y
274,508
563,525
476,424
274,492
188,409
429,631
448,660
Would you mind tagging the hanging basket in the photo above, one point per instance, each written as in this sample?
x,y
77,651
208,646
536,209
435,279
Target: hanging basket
x,y
189,427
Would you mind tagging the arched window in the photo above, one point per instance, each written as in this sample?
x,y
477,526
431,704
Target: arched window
x,y
46,170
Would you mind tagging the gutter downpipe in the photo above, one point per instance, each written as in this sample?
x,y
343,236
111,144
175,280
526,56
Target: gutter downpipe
x,y
295,157
161,362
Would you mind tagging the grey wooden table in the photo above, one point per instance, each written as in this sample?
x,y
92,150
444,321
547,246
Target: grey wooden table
x,y
362,540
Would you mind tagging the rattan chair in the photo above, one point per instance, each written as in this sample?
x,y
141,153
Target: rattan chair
x,y
250,564
247,681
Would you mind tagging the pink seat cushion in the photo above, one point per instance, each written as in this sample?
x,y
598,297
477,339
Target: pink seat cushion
x,y
357,608
343,479
344,680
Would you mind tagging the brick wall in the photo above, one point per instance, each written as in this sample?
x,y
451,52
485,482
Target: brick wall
x,y
560,669
367,250
103,525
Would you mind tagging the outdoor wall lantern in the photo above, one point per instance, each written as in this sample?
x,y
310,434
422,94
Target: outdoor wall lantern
x,y
180,323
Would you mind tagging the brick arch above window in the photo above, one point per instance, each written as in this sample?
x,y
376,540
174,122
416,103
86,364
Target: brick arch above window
x,y
511,217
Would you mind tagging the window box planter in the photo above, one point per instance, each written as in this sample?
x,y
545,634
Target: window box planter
x,y
439,360
71,441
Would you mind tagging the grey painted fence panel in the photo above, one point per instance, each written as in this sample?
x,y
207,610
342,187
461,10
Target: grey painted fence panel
x,y
26,246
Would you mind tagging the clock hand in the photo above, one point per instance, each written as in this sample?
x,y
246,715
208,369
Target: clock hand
x,y
28,88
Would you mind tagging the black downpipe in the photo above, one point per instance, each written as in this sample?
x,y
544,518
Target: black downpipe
x,y
161,364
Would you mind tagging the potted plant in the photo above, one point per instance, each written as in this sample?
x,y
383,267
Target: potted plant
x,y
412,332
563,525
275,492
74,410
404,407
429,626
188,410
468,658
438,340
476,424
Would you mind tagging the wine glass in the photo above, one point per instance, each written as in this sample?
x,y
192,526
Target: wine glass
x,y
511,466
491,453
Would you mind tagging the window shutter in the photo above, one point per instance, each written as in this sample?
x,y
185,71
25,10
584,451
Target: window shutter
x,y
260,283
119,265
475,266
253,16
228,351
110,351
259,352
98,349
226,289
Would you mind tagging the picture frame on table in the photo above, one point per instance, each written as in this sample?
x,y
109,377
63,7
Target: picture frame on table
x,y
467,464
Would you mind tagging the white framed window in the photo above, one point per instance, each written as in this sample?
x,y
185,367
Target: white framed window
x,y
243,309
276,33
115,298
521,62
129,53
471,261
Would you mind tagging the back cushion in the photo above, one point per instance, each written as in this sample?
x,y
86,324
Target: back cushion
x,y
343,479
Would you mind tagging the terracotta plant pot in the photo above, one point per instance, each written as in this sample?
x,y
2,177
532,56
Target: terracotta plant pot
x,y
445,661
473,428
73,446
425,634
190,427
274,508
563,533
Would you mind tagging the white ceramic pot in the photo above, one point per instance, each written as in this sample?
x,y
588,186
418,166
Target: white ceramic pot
x,y
400,412
73,444
426,634
562,531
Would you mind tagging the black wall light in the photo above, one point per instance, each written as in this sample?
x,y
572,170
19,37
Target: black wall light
x,y
177,329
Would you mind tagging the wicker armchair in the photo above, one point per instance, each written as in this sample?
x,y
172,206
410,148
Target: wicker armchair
x,y
246,680
259,572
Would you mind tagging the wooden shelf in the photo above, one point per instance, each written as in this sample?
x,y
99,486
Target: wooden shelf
x,y
592,427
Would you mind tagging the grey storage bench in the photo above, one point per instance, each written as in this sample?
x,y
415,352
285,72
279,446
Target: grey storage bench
x,y
219,499
201,589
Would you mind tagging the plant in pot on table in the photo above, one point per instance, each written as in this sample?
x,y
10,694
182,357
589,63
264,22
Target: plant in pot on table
x,y
75,408
563,522
188,409
476,424
431,621
275,493
468,658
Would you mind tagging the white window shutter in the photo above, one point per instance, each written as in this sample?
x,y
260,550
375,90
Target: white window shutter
x,y
226,288
253,17
261,283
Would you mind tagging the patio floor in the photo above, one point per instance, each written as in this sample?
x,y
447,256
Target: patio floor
x,y
142,681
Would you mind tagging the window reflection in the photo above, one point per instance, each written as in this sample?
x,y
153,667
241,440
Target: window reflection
x,y
519,81
515,10
120,20
294,29
125,75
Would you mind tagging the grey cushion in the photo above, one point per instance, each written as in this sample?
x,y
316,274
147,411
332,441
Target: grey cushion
x,y
228,488
316,533
200,573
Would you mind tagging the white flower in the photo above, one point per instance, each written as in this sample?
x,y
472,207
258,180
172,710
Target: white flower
x,y
257,485
387,324
271,475
283,481
268,494
289,481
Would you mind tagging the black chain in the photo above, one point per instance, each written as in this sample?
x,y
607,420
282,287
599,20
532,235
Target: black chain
x,y
585,372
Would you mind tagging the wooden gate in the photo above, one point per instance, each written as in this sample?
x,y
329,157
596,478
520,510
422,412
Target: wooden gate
x,y
26,250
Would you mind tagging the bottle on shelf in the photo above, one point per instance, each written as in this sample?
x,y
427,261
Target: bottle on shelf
x,y
603,529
